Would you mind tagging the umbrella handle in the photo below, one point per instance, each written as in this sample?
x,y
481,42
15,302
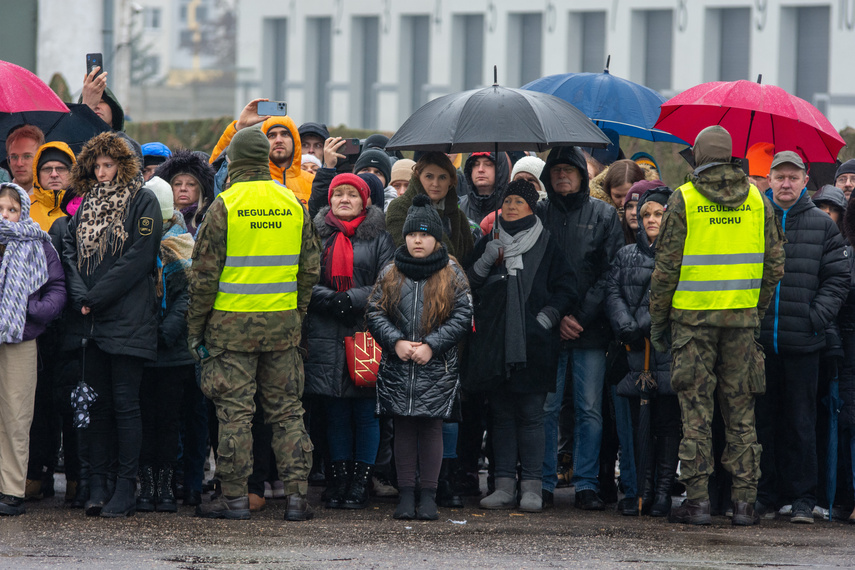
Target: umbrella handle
x,y
647,354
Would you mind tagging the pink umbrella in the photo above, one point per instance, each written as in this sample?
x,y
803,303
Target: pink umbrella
x,y
21,90
751,113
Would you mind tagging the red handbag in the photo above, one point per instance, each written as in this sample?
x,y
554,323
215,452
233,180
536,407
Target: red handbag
x,y
363,359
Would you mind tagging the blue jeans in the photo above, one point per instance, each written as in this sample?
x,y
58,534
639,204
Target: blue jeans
x,y
449,439
349,420
623,419
589,369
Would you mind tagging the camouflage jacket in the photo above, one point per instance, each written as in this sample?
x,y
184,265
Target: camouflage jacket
x,y
725,184
245,332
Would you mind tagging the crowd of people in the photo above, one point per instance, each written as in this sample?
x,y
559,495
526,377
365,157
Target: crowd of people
x,y
545,320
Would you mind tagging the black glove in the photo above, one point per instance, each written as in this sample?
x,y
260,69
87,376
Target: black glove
x,y
341,305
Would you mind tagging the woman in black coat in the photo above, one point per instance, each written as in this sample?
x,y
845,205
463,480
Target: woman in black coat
x,y
109,256
628,309
336,311
513,353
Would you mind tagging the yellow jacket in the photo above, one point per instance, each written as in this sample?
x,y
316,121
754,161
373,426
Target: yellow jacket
x,y
294,177
45,209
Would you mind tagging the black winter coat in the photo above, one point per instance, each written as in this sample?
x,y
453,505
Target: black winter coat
x,y
628,309
815,283
120,291
554,286
588,231
326,365
846,322
320,190
406,388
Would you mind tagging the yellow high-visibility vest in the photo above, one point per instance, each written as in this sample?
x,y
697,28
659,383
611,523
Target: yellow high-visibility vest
x,y
265,234
723,255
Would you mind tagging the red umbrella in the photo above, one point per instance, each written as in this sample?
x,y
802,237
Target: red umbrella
x,y
21,90
752,113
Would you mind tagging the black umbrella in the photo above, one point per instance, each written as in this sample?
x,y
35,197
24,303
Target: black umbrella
x,y
73,128
501,117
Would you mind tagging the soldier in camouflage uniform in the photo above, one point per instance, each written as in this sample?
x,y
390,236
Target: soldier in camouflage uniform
x,y
714,348
249,350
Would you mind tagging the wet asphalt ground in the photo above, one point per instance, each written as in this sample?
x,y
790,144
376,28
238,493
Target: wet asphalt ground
x,y
52,536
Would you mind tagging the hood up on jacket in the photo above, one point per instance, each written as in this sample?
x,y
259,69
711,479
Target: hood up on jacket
x,y
503,173
716,176
110,144
295,168
185,161
46,203
566,155
115,107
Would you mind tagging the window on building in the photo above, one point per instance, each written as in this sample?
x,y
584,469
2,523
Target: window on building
x,y
804,50
586,49
728,44
364,70
318,65
525,49
151,18
415,61
651,47
275,58
467,55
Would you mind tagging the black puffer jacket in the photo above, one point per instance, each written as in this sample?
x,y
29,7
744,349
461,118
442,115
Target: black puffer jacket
x,y
815,283
406,388
846,321
554,285
326,365
120,290
628,309
320,190
588,231
473,204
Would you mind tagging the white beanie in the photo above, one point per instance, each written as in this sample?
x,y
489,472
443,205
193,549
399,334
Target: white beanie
x,y
533,166
163,191
311,158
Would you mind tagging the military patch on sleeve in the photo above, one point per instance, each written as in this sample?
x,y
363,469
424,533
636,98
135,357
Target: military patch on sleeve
x,y
145,225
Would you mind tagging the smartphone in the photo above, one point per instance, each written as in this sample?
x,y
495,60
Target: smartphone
x,y
272,108
350,147
94,60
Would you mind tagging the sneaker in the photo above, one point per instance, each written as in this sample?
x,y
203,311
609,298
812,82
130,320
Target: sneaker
x,y
802,513
764,511
278,490
786,510
820,512
11,506
589,500
382,486
268,490
628,506
33,490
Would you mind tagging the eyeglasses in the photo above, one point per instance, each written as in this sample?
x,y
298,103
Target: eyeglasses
x,y
562,170
58,169
25,157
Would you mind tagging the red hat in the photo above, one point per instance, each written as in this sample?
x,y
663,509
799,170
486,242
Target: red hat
x,y
350,180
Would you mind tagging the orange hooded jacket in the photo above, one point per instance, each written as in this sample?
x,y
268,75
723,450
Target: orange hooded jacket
x,y
294,177
45,209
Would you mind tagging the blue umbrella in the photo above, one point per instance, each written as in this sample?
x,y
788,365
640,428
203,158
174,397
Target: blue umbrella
x,y
628,108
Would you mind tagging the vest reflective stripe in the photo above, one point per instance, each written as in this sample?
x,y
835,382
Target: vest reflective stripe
x,y
265,235
722,266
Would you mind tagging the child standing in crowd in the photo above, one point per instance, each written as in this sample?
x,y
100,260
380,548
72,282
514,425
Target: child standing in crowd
x,y
418,312
32,294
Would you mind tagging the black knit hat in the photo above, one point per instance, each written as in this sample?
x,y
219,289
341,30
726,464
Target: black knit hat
x,y
375,158
56,154
525,190
847,167
422,217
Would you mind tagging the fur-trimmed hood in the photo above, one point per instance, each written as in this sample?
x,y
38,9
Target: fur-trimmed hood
x,y
597,191
185,161
374,224
110,144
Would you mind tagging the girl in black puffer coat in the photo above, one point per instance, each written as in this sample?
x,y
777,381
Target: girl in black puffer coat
x,y
336,311
628,308
418,312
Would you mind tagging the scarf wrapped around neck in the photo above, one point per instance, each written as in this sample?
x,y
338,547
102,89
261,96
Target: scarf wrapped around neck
x,y
420,268
338,253
23,269
102,221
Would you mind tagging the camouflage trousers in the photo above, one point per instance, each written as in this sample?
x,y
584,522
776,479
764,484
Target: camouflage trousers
x,y
705,359
230,379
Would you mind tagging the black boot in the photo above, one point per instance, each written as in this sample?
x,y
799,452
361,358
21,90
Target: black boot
x,y
446,490
145,501
81,496
648,492
357,492
123,503
165,501
406,504
97,495
427,505
666,471
336,491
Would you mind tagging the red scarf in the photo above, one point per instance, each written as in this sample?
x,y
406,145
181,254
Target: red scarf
x,y
338,253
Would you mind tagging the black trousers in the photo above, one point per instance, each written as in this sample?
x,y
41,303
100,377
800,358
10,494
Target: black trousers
x,y
161,395
786,428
